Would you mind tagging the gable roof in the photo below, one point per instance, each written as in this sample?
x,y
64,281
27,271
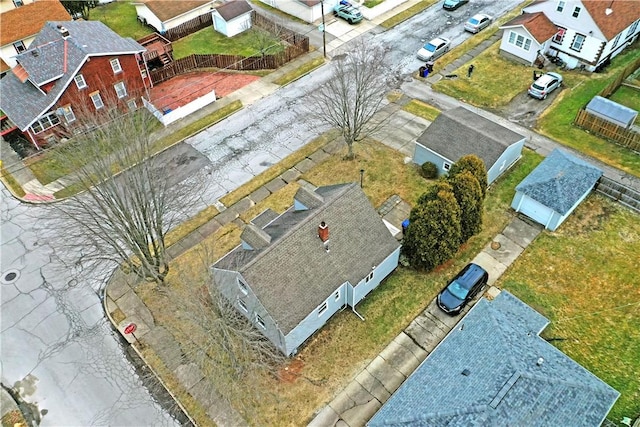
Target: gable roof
x,y
458,132
294,274
234,8
166,10
537,24
497,371
617,113
623,13
560,181
51,58
25,21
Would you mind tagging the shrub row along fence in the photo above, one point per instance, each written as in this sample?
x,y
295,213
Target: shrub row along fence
x,y
620,193
618,134
295,45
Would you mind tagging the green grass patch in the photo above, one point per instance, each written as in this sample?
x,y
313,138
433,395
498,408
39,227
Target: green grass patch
x,y
300,71
11,182
209,41
422,109
627,96
122,18
583,278
372,3
407,13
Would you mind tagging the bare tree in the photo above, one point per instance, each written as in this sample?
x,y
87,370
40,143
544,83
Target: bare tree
x,y
267,39
354,93
127,201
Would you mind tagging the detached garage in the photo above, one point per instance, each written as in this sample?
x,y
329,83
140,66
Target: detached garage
x,y
555,188
612,111
232,17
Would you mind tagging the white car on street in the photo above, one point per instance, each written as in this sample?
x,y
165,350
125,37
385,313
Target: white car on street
x,y
434,49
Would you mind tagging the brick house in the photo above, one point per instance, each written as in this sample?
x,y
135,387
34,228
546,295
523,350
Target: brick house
x,y
71,69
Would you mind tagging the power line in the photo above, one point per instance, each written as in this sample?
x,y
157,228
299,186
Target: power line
x,y
596,312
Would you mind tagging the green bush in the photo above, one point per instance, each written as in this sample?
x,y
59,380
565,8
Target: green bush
x,y
475,165
468,193
429,170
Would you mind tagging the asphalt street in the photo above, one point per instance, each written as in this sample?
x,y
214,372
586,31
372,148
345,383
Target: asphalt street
x,y
57,347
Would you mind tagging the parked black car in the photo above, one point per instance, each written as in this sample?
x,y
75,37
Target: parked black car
x,y
470,281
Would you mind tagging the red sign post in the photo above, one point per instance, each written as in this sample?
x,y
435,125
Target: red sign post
x,y
130,328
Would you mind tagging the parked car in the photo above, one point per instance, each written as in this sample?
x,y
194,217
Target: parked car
x,y
478,22
544,85
468,283
434,49
453,4
348,12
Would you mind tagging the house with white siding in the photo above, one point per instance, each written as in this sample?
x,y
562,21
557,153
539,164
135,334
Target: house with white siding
x,y
233,17
295,270
165,15
588,33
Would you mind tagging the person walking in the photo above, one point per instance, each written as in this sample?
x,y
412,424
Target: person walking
x,y
470,70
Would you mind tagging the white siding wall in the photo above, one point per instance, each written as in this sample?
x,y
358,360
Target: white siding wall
x,y
299,10
515,35
8,51
508,157
174,22
149,17
238,25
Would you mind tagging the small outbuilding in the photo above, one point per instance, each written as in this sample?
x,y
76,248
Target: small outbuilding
x,y
555,188
166,15
232,17
611,111
459,132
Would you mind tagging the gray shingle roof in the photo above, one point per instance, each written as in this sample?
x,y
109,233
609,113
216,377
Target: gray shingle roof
x,y
294,274
234,8
560,181
615,112
24,102
505,386
458,132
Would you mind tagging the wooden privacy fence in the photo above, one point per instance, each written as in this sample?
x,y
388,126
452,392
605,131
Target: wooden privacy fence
x,y
614,85
618,192
618,134
191,26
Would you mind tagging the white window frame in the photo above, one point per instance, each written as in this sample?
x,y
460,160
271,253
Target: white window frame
x,y
512,37
69,115
615,41
260,322
19,46
575,39
18,3
115,65
243,287
559,36
243,305
633,28
527,44
132,104
560,7
576,11
121,90
369,277
81,83
97,100
446,166
45,122
323,308
336,295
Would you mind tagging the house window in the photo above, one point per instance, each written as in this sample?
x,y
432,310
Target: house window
x,y
19,46
615,42
337,295
559,35
243,287
369,277
323,308
512,37
97,100
115,65
560,7
577,42
18,3
633,28
45,122
69,116
121,90
260,322
527,44
446,166
132,104
576,11
80,82
520,41
243,305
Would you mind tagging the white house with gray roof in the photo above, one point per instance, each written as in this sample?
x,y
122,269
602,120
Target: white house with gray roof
x,y
458,132
555,188
494,369
294,271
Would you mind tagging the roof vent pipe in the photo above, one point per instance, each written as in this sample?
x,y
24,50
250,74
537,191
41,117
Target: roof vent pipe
x,y
540,361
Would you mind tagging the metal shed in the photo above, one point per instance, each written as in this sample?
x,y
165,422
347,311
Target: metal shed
x,y
612,111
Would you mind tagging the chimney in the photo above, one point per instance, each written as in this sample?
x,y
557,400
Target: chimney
x,y
323,234
63,31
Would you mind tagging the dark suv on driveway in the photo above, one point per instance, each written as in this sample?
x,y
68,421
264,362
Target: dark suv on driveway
x,y
468,283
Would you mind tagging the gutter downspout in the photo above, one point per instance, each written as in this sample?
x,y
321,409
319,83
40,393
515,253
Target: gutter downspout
x,y
353,305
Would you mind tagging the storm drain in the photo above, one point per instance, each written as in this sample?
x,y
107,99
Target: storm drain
x,y
10,276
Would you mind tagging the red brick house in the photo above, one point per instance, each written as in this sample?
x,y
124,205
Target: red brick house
x,y
71,69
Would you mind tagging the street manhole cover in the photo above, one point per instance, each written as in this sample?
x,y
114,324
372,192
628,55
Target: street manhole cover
x,y
10,276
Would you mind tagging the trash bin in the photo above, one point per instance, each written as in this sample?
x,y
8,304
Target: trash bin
x,y
405,225
424,72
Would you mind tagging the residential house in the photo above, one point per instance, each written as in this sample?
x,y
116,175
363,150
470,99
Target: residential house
x,y
71,67
555,188
307,10
233,17
7,5
588,32
165,15
20,25
294,271
458,132
494,369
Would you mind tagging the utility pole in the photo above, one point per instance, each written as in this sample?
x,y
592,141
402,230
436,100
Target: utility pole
x,y
324,38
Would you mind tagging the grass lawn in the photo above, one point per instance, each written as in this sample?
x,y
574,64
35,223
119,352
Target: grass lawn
x,y
320,370
627,96
422,109
207,41
584,279
121,17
